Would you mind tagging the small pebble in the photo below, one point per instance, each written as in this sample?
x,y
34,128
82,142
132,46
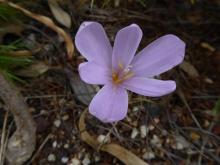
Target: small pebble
x,y
61,102
57,123
32,109
51,158
97,158
43,112
207,123
128,119
156,141
86,160
164,132
156,120
74,161
103,139
80,155
135,109
144,131
151,127
64,160
65,117
134,133
209,81
54,144
148,155
66,146
178,146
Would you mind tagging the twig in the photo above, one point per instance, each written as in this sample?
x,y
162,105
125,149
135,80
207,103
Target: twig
x,y
205,140
3,139
50,136
189,109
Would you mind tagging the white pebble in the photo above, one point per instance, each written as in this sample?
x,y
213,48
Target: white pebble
x,y
156,141
134,133
144,131
148,155
65,117
178,146
51,158
86,161
151,127
64,160
156,120
97,158
74,161
135,109
43,112
54,144
209,81
66,146
57,123
103,139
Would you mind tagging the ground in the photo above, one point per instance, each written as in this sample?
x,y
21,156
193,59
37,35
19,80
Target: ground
x,y
179,128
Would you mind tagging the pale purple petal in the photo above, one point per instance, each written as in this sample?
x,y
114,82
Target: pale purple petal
x,y
92,42
110,104
149,87
161,55
125,46
93,73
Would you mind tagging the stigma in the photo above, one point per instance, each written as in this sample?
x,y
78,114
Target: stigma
x,y
121,75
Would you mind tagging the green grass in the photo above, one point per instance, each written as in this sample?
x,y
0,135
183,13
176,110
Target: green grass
x,y
8,63
8,13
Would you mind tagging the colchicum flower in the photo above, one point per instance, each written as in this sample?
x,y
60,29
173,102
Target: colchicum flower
x,y
119,69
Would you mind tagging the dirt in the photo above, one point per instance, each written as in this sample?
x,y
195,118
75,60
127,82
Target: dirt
x,y
178,125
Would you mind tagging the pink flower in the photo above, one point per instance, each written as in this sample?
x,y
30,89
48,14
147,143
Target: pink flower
x,y
119,69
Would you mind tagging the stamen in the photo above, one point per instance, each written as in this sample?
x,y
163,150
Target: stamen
x,y
120,66
117,79
128,75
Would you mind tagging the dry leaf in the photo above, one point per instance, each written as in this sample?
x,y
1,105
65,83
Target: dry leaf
x,y
83,92
189,69
33,70
48,22
22,143
61,16
207,46
116,150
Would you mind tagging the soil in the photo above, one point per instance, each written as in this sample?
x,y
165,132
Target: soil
x,y
178,128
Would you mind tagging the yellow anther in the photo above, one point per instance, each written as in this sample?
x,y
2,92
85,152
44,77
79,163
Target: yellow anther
x,y
120,65
117,79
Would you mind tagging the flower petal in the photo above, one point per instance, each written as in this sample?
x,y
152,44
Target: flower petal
x,y
125,46
92,42
149,87
93,73
110,104
161,55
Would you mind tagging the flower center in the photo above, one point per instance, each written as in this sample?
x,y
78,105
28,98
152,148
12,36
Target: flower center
x,y
121,75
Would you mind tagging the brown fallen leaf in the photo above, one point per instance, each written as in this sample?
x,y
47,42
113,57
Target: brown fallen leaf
x,y
48,22
22,143
59,14
116,150
189,69
207,46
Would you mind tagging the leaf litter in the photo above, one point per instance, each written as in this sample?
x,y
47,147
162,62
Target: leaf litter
x,y
174,129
